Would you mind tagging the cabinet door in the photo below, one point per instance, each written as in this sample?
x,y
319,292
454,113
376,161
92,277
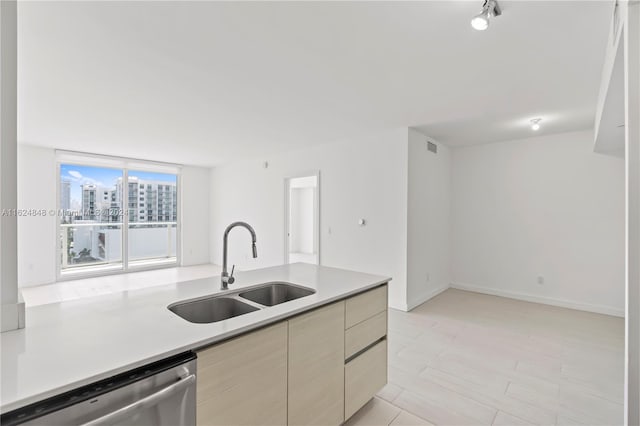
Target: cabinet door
x,y
365,375
244,381
316,367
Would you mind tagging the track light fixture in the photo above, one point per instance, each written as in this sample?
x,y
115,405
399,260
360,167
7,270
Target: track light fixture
x,y
489,8
535,123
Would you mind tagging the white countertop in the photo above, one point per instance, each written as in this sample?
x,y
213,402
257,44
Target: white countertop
x,y
70,344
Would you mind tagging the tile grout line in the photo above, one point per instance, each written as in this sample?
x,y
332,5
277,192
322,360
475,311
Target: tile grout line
x,y
494,417
411,412
408,412
396,416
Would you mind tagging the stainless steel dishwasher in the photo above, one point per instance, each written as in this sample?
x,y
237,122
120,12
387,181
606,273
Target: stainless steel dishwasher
x,y
158,394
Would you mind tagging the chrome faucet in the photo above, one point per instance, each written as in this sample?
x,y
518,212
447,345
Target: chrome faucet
x,y
227,278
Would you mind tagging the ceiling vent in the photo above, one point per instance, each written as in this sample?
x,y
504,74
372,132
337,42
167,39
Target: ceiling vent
x,y
432,147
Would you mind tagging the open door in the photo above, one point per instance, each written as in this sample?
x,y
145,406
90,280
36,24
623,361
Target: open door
x,y
302,219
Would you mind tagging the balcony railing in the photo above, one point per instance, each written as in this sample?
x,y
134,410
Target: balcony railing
x,y
152,241
99,245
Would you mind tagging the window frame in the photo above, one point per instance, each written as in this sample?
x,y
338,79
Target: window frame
x,y
125,165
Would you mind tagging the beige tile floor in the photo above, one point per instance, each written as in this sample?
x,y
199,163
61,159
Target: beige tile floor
x,y
470,359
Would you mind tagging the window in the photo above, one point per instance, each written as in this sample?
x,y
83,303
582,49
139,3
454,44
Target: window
x,y
152,238
105,226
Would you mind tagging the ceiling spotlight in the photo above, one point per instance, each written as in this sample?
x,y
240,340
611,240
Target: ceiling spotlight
x,y
489,8
535,123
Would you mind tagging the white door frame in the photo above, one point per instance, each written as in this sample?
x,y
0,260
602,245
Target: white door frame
x,y
287,219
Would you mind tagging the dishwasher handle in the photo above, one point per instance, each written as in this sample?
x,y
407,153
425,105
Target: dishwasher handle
x,y
148,401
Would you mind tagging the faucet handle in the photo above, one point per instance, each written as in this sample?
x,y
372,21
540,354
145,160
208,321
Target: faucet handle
x,y
231,280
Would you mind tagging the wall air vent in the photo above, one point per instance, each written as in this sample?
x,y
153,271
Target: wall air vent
x,y
432,147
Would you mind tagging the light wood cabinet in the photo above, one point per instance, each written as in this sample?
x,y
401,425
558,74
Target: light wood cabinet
x,y
364,376
316,367
244,381
294,372
365,348
365,305
364,334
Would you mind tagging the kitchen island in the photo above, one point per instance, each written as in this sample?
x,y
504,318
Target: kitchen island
x,y
70,344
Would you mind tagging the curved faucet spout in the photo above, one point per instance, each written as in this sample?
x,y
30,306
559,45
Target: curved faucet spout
x,y
226,278
243,224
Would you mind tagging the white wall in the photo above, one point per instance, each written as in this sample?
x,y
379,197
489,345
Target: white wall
x,y
12,311
428,227
365,178
196,215
37,188
545,206
36,234
632,137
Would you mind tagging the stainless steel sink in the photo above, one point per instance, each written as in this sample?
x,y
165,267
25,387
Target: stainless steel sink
x,y
211,309
276,293
229,304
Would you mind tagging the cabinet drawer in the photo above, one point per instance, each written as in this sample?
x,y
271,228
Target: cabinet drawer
x,y
364,376
365,333
363,306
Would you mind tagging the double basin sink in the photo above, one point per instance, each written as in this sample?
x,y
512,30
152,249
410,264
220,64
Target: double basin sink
x,y
216,308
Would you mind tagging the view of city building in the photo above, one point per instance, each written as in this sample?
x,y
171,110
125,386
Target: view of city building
x,y
65,195
92,230
148,201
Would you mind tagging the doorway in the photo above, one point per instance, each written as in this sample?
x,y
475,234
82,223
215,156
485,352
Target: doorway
x,y
302,219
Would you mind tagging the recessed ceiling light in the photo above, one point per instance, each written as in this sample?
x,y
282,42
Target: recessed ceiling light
x,y
535,123
490,8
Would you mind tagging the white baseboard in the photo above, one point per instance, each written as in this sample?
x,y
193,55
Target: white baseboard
x,y
425,297
599,309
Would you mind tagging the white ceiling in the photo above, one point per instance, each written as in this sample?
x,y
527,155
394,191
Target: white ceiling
x,y
204,83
